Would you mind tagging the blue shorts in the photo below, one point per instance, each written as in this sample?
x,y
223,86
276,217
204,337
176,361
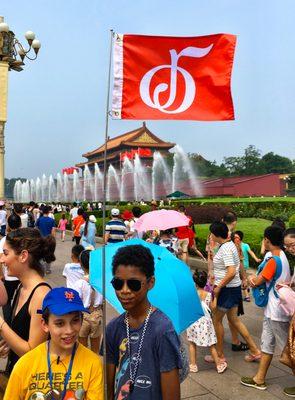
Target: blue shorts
x,y
229,297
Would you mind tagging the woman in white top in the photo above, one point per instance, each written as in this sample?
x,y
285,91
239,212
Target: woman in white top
x,y
226,267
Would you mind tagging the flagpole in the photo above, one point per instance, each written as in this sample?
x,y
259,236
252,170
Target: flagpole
x,y
104,313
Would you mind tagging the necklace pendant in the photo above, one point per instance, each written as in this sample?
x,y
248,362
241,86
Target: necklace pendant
x,y
53,395
131,387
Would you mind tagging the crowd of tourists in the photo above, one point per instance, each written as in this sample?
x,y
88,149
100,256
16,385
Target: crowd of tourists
x,y
53,340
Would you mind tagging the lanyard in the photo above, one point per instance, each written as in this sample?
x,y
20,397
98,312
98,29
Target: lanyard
x,y
68,373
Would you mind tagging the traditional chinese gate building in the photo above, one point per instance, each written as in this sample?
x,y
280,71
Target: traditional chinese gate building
x,y
141,142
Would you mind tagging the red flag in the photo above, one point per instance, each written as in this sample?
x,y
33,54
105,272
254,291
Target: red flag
x,y
69,170
161,77
144,152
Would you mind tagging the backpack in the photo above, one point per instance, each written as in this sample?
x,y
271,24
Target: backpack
x,y
31,219
261,292
286,297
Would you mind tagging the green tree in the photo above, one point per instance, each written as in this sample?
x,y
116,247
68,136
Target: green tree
x,y
251,160
274,163
234,165
205,168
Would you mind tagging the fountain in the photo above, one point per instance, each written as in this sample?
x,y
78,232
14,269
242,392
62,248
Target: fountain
x,y
113,184
127,178
44,188
51,189
38,190
76,186
133,181
66,187
88,184
160,174
33,190
59,189
142,186
183,170
98,183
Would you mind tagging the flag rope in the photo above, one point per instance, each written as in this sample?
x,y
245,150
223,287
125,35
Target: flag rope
x,y
104,314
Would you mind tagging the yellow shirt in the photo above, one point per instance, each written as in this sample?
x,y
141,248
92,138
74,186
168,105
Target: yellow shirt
x,y
29,378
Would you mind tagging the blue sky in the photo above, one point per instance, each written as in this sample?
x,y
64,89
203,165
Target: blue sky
x,y
57,104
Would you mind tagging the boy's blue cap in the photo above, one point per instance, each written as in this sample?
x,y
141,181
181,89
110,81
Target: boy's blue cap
x,y
62,301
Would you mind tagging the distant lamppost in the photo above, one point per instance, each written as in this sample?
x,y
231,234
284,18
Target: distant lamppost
x,y
12,55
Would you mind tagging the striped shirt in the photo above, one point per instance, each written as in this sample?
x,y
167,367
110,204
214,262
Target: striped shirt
x,y
116,230
227,256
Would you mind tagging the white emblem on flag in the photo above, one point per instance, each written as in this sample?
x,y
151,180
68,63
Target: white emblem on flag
x,y
190,86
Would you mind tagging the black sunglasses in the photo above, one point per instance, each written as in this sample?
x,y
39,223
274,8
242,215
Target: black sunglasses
x,y
133,284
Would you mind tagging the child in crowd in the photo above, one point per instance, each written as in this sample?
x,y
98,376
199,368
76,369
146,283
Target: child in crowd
x,y
73,271
62,225
169,241
201,333
76,225
92,300
143,358
246,250
211,249
152,236
60,368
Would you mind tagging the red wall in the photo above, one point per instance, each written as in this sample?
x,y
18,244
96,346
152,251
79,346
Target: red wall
x,y
262,185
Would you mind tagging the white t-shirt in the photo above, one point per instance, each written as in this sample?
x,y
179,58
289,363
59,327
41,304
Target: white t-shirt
x,y
227,256
85,292
24,218
5,272
272,309
136,234
2,217
74,212
73,272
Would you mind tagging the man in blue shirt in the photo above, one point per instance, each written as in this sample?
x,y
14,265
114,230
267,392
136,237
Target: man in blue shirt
x,y
46,226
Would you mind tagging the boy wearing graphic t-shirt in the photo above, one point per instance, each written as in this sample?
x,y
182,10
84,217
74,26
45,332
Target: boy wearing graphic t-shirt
x,y
275,322
73,271
142,334
61,368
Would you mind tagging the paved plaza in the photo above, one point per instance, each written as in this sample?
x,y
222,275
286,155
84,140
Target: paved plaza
x,y
207,384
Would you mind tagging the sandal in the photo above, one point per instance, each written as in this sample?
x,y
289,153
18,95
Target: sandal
x,y
252,357
239,347
193,368
221,367
209,359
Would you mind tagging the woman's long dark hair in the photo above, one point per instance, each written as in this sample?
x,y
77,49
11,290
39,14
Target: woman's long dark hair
x,y
39,248
86,217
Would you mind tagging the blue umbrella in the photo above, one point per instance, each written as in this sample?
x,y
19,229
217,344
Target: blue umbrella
x,y
174,292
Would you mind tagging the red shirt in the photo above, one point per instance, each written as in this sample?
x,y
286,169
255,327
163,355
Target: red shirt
x,y
184,232
77,222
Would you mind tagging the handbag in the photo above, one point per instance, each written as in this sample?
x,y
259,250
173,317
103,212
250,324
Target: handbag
x,y
286,297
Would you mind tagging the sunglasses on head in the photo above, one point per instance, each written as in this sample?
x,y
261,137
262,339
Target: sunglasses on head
x,y
133,284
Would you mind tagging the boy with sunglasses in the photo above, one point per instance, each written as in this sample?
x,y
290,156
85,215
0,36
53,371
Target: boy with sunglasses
x,y
143,358
60,368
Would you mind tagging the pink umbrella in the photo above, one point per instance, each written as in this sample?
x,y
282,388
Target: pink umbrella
x,y
160,220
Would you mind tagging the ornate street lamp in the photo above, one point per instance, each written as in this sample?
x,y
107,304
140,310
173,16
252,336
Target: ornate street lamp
x,y
12,56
